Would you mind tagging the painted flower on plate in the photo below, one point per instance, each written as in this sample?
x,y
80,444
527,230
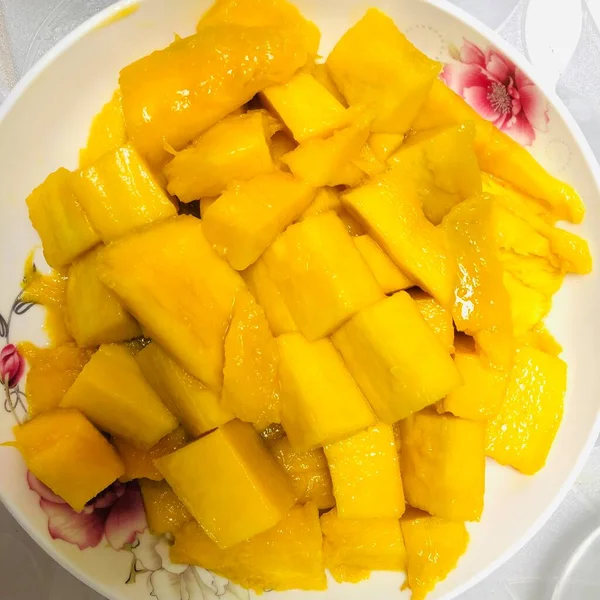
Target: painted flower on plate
x,y
12,366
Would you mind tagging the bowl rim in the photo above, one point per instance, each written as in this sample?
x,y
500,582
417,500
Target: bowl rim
x,y
105,18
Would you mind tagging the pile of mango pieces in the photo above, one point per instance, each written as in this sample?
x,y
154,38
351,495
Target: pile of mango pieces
x,y
303,302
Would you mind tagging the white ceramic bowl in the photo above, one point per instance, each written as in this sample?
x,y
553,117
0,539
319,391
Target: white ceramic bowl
x,y
44,123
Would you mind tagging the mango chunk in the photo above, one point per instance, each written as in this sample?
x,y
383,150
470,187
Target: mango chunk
x,y
365,472
246,218
538,337
523,431
287,556
236,148
395,358
95,315
140,463
308,472
60,220
321,73
320,274
441,166
50,443
443,465
383,145
436,316
180,291
326,199
352,548
120,194
165,512
250,380
389,277
393,216
230,483
433,547
482,391
175,94
112,392
374,64
195,406
279,145
320,403
306,107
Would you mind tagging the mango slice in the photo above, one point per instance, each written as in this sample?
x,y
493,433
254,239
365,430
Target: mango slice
x,y
165,512
320,403
112,392
69,455
230,483
443,465
365,473
395,358
321,275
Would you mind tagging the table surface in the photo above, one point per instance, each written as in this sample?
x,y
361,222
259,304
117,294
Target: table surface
x,y
561,38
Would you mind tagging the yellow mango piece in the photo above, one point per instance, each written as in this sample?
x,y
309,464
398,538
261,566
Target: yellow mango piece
x,y
443,465
352,548
108,132
230,483
236,148
321,275
522,432
394,218
365,473
247,217
350,176
436,316
528,306
433,547
112,392
308,472
165,512
140,463
195,406
353,227
306,107
320,403
321,73
538,337
383,145
396,359
94,314
500,155
69,455
389,277
120,194
269,297
173,95
483,387
374,64
287,556
60,220
180,291
441,166
51,373
279,145
326,199
368,162
482,305
250,381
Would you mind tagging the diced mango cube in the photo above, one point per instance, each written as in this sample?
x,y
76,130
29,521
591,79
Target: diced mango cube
x,y
433,547
230,483
352,548
236,148
320,403
95,315
165,512
180,291
287,556
326,199
112,392
374,64
523,431
250,380
120,194
443,465
383,145
60,220
69,455
365,472
436,316
321,73
321,275
368,162
195,406
395,358
308,472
